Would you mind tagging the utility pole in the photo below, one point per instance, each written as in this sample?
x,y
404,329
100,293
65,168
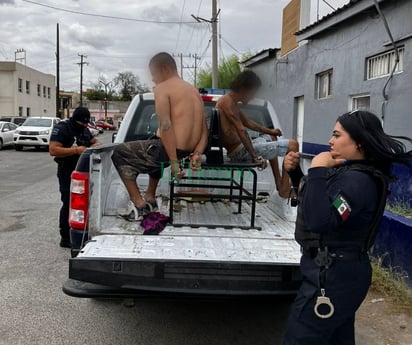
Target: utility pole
x,y
215,38
180,56
82,62
193,66
197,58
106,85
215,80
181,67
58,71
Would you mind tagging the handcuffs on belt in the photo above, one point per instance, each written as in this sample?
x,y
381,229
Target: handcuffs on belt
x,y
323,300
323,260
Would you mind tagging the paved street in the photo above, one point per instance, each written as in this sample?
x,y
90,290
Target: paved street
x,y
34,310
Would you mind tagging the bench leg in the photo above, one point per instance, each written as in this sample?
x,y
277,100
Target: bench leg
x,y
254,192
171,197
242,175
232,176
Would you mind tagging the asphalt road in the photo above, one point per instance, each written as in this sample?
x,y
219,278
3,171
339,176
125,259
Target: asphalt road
x,y
34,310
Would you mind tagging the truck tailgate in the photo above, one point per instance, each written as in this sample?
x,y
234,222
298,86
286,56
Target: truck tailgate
x,y
192,261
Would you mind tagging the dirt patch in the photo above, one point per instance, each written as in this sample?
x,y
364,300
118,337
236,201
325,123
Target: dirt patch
x,y
382,322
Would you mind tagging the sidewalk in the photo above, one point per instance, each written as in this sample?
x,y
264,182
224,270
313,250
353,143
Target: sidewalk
x,y
383,323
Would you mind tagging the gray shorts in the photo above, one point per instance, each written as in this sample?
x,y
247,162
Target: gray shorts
x,y
142,157
264,147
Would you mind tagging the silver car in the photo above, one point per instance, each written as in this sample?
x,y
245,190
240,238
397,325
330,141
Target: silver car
x,y
6,133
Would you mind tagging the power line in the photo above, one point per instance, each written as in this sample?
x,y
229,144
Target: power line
x,y
180,25
327,3
109,17
193,29
206,49
230,45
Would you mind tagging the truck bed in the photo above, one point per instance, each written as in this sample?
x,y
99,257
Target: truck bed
x,y
273,244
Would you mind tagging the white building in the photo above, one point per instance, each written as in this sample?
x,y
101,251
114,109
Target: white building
x,y
25,91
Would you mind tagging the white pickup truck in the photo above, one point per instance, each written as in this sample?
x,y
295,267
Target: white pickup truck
x,y
112,257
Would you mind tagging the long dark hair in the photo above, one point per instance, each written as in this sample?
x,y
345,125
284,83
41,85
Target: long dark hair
x,y
381,149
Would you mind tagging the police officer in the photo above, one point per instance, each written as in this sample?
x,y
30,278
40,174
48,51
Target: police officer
x,y
64,135
341,202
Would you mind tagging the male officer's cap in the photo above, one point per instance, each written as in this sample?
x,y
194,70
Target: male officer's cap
x,y
81,114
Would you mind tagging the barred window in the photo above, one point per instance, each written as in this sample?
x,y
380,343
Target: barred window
x,y
382,65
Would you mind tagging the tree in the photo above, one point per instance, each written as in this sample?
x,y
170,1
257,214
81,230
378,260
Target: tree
x,y
128,85
227,72
97,93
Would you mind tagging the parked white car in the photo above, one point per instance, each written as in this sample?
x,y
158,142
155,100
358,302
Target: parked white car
x,y
7,130
35,131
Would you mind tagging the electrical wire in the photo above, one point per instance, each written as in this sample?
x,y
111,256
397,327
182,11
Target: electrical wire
x,y
397,59
327,3
231,46
193,29
180,25
206,49
109,17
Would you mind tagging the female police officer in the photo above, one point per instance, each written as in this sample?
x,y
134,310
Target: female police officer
x,y
341,201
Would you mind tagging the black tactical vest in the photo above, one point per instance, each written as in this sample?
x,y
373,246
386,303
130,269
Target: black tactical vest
x,y
335,239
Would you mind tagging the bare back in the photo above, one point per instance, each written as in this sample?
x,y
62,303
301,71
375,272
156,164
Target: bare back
x,y
186,112
228,108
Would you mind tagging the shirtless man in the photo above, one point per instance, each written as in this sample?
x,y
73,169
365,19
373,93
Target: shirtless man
x,y
182,133
235,137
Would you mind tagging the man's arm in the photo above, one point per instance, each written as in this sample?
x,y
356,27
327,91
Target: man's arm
x,y
196,157
167,133
56,149
254,126
95,142
201,146
234,118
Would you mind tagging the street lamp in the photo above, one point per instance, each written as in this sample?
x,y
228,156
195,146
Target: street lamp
x,y
106,84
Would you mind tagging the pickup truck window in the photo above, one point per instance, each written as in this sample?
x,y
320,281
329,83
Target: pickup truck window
x,y
144,123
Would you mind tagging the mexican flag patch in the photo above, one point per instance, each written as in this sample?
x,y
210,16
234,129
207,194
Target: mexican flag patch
x,y
342,206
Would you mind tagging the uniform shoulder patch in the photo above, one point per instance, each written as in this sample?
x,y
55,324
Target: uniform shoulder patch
x,y
55,131
342,206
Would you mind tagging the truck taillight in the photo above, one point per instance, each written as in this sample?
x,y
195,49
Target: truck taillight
x,y
79,200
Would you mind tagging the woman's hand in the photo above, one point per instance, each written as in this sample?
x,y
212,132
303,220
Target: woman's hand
x,y
327,160
291,161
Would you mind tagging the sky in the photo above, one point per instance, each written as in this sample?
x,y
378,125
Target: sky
x,y
113,46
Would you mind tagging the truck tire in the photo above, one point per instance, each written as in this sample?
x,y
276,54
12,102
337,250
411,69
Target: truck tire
x,y
18,147
1,144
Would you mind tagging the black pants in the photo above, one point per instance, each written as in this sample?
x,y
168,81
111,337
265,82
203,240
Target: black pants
x,y
64,176
346,284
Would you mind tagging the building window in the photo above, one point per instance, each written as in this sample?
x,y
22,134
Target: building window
x,y
44,91
324,84
360,102
48,92
20,85
20,111
382,65
39,90
28,112
27,86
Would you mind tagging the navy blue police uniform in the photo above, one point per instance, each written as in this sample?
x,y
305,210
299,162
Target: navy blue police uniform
x,y
67,133
338,216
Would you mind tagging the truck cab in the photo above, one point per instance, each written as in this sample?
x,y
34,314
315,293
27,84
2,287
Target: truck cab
x,y
112,257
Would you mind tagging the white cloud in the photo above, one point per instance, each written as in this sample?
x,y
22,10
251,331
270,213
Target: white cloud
x,y
113,46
